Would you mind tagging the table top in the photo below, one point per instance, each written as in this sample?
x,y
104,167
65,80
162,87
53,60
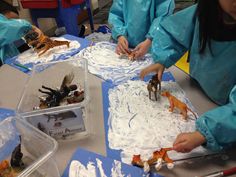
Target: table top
x,y
12,84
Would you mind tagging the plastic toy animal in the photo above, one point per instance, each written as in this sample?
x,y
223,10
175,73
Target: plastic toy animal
x,y
55,96
43,43
77,98
31,36
16,157
6,170
161,156
130,55
4,165
158,158
176,103
152,86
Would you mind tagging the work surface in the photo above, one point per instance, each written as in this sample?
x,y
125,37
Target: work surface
x,y
12,83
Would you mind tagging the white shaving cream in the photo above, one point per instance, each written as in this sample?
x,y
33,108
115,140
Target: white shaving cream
x,y
116,169
138,125
100,168
77,169
105,63
31,56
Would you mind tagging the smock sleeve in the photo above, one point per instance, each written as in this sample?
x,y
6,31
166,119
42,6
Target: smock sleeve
x,y
162,9
219,125
12,29
174,37
116,19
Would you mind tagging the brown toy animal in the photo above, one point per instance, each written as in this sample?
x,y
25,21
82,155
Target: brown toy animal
x,y
174,102
157,159
44,43
152,86
130,55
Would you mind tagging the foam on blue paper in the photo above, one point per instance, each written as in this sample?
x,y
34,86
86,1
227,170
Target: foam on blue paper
x,y
83,44
112,153
85,157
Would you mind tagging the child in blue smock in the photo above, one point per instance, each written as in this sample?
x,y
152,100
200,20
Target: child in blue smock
x,y
11,30
208,31
134,23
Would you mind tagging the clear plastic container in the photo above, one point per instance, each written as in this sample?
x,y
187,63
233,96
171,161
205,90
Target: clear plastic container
x,y
63,122
37,148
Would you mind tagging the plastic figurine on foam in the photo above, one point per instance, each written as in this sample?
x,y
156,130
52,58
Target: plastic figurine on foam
x,y
43,43
152,86
158,158
176,103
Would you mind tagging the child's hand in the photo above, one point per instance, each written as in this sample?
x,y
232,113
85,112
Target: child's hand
x,y
142,48
122,46
186,142
157,68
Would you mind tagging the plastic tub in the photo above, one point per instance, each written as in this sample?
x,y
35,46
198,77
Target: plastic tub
x,y
37,148
66,121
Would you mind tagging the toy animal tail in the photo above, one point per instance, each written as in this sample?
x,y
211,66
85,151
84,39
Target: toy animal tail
x,y
192,112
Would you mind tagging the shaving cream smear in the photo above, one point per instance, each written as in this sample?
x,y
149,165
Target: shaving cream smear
x,y
96,169
138,125
59,52
105,63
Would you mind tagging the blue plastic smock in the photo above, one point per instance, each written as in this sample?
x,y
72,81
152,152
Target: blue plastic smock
x,y
138,19
11,30
215,73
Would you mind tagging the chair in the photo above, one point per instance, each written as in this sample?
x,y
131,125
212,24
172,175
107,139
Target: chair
x,y
64,16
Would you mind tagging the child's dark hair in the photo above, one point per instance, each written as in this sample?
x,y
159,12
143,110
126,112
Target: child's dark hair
x,y
211,24
208,16
5,8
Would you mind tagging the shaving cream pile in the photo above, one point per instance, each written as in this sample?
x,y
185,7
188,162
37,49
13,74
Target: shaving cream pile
x,y
138,125
105,63
92,169
59,52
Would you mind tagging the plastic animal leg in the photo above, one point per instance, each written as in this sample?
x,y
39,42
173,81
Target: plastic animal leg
x,y
48,93
47,47
59,43
158,164
184,113
155,93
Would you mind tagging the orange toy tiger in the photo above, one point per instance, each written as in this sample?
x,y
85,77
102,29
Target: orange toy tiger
x,y
174,102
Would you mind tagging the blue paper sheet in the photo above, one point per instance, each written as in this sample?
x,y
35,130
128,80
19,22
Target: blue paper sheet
x,y
84,157
4,113
112,153
83,44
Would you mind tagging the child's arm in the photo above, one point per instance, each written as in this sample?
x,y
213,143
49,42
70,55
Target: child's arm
x,y
219,125
163,8
13,29
174,37
116,19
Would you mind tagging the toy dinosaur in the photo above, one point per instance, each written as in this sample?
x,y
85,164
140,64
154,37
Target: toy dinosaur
x,y
158,158
176,103
152,86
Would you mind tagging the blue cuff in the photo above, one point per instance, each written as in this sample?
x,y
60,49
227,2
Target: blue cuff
x,y
118,32
211,142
